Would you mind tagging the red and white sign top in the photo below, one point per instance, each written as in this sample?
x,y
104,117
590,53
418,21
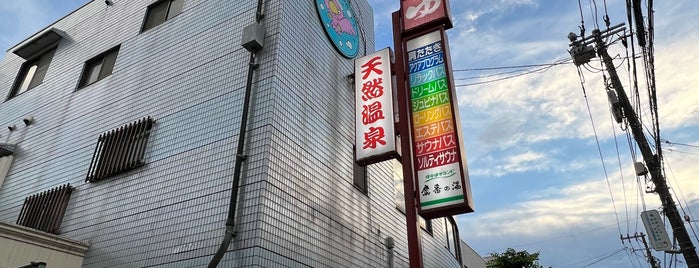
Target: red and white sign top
x,y
417,13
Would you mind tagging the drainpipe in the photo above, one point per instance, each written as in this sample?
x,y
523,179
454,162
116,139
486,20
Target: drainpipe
x,y
253,37
390,244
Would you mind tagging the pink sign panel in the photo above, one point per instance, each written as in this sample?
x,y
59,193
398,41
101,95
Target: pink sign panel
x,y
417,13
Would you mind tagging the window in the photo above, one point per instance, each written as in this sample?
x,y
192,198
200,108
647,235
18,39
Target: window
x,y
425,224
32,73
120,150
398,196
359,174
160,12
452,233
44,211
99,67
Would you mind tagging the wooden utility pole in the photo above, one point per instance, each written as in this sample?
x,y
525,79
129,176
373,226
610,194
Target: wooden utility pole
x,y
652,160
651,259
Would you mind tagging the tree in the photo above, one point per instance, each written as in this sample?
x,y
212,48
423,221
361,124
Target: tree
x,y
514,259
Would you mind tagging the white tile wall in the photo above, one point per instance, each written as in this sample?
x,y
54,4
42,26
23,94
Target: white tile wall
x,y
297,206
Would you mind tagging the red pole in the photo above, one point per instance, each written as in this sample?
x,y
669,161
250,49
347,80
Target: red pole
x,y
412,223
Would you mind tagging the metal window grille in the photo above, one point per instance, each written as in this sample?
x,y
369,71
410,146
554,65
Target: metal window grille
x,y
44,211
120,150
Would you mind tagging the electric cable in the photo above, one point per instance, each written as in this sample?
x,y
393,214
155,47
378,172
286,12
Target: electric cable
x,y
559,62
582,20
681,198
677,143
539,70
599,149
606,15
621,171
488,75
544,68
678,151
603,258
593,3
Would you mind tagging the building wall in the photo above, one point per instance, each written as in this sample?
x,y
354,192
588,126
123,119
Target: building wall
x,y
470,257
297,205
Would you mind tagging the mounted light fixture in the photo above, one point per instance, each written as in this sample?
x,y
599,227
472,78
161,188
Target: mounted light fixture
x,y
12,127
28,120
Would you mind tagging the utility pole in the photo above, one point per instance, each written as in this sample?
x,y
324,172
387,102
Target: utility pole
x,y
651,259
581,49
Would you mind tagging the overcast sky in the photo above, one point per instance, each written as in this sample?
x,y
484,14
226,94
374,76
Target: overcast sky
x,y
539,181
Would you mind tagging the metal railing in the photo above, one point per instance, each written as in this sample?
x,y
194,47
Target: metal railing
x,y
44,211
120,149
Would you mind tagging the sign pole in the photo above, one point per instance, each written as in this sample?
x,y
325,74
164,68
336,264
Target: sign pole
x,y
412,223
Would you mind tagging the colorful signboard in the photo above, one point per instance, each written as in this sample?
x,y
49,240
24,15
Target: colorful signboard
x,y
418,13
340,25
439,161
375,136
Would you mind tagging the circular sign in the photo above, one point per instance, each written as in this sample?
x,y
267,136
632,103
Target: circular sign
x,y
340,25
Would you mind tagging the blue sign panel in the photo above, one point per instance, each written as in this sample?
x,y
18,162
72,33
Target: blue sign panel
x,y
340,25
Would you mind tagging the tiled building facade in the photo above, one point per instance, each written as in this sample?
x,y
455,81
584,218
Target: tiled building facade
x,y
156,193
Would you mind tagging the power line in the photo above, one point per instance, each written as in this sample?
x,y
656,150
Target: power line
x,y
543,69
678,151
677,143
564,61
489,75
605,257
599,149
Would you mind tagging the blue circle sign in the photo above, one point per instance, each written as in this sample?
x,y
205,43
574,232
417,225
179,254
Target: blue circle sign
x,y
340,25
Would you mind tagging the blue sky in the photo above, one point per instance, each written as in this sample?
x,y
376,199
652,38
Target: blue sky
x,y
538,180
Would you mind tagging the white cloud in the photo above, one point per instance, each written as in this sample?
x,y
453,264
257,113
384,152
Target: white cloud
x,y
677,84
518,163
581,205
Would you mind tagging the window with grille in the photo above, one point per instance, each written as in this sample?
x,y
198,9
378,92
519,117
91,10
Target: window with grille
x,y
160,12
44,211
120,150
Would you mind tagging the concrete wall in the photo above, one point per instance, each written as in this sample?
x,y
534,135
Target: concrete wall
x,y
19,246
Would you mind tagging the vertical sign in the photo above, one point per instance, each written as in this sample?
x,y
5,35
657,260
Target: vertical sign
x,y
440,167
417,13
659,239
375,136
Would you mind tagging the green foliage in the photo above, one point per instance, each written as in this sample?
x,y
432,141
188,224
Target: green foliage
x,y
514,259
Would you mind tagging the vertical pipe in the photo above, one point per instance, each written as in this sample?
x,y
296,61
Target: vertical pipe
x,y
239,156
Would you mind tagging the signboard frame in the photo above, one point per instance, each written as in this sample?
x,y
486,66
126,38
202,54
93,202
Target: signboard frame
x,y
422,14
460,205
382,114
